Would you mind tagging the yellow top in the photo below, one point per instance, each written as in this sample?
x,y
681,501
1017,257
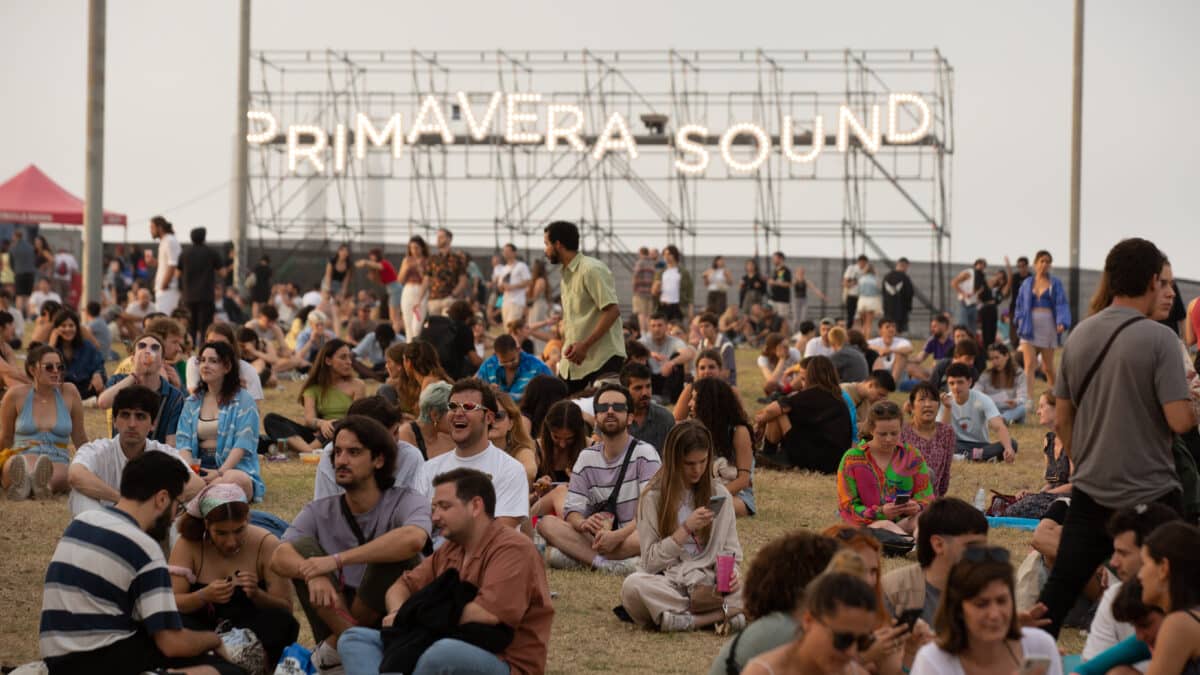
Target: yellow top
x,y
587,288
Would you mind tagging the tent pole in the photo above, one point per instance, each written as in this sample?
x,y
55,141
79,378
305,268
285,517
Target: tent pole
x,y
93,227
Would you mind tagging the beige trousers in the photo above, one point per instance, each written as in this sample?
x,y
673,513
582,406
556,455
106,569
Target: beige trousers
x,y
647,596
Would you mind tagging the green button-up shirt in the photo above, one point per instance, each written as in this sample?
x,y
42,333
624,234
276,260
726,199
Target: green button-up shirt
x,y
587,288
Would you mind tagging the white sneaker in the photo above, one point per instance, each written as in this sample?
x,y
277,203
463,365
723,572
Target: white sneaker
x,y
327,660
43,471
677,623
20,484
620,568
558,560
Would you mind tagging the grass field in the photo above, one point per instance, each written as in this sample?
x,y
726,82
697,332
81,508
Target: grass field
x,y
586,636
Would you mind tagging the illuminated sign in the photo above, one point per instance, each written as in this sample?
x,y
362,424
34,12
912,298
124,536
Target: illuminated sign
x,y
528,122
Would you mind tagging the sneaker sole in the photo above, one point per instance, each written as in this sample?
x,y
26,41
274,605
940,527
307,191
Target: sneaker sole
x,y
20,485
43,471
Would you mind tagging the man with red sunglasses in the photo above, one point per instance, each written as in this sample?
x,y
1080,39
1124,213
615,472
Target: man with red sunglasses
x,y
472,409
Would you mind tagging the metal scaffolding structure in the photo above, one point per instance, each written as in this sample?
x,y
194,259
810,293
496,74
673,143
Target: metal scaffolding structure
x,y
508,191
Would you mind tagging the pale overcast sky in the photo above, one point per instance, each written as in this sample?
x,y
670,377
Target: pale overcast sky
x,y
171,68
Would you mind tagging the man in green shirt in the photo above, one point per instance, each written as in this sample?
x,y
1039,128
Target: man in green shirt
x,y
592,335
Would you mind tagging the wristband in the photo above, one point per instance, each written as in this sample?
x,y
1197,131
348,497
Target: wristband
x,y
337,558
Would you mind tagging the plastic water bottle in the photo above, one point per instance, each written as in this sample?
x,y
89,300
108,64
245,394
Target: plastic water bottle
x,y
980,498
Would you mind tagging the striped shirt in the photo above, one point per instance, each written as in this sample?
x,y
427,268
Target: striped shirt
x,y
107,579
593,479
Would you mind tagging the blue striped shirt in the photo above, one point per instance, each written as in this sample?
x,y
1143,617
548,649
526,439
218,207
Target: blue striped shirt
x,y
107,579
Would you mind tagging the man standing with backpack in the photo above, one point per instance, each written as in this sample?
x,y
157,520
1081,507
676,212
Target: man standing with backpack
x,y
1121,396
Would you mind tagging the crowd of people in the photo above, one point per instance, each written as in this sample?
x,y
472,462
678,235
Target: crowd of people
x,y
469,434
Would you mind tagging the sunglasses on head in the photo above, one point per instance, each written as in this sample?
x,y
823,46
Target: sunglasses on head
x,y
986,554
54,367
465,406
615,407
842,641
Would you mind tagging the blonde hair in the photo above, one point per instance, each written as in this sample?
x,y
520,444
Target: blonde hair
x,y
837,337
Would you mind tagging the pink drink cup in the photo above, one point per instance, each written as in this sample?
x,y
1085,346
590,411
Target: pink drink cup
x,y
725,564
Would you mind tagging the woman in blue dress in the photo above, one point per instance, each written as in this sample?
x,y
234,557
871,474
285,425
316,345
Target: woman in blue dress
x,y
40,424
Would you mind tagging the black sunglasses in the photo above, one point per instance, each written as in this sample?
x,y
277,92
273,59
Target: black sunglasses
x,y
986,554
842,641
615,407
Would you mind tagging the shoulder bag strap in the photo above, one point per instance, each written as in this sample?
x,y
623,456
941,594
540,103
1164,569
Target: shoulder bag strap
x,y
1087,379
611,504
351,521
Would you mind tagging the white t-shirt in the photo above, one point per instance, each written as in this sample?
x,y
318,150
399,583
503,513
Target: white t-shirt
x,y
64,266
1106,631
168,257
409,464
670,286
1035,643
311,299
515,273
246,371
104,458
793,358
507,474
970,419
898,344
38,298
852,274
817,347
967,287
136,310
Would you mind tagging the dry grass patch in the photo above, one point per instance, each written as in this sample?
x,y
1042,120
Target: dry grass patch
x,y
586,637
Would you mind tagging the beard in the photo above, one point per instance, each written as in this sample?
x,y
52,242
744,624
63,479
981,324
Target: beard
x,y
552,256
162,525
611,429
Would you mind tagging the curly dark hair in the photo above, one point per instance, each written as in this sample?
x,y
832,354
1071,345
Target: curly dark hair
x,y
719,408
778,574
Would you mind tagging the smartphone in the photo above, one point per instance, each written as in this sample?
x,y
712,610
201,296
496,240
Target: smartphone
x,y
1035,666
902,498
909,617
715,504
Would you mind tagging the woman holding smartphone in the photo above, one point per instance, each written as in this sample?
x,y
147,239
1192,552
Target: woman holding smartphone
x,y
881,482
976,624
684,522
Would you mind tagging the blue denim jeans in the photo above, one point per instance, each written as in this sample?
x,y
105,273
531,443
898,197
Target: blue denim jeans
x,y
361,650
1014,415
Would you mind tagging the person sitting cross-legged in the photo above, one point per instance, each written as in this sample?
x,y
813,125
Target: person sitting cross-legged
x,y
107,605
509,370
972,414
502,628
682,530
220,571
343,552
95,472
599,527
881,482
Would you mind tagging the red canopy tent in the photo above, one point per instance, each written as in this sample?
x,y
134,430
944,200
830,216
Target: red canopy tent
x,y
33,197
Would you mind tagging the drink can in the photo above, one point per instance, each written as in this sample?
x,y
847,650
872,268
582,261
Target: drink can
x,y
281,446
